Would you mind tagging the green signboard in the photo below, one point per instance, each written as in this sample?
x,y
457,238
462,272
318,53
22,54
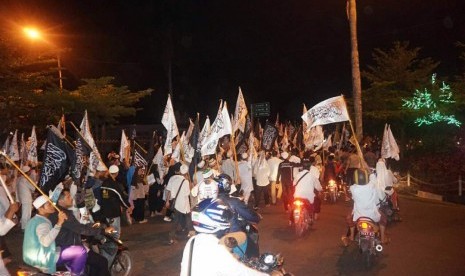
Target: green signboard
x,y
261,109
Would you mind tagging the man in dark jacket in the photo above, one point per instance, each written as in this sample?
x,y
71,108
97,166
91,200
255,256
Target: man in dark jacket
x,y
285,176
72,230
113,198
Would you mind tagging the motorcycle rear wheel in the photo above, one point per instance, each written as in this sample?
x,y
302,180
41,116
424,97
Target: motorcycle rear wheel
x,y
302,223
122,264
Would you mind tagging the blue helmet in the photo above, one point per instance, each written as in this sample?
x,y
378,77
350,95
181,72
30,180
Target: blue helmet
x,y
211,216
224,183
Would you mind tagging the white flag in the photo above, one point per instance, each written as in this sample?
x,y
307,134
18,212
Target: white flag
x,y
169,122
393,145
332,110
315,138
209,147
190,129
389,148
204,133
177,150
13,150
124,148
158,160
328,143
23,150
240,113
385,147
6,145
226,121
94,159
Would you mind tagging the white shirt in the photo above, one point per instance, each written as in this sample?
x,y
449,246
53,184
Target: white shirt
x,y
263,174
204,190
198,176
306,186
24,191
273,163
182,203
245,175
209,258
229,167
365,199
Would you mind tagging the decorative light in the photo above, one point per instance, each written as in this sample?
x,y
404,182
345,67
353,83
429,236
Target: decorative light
x,y
430,102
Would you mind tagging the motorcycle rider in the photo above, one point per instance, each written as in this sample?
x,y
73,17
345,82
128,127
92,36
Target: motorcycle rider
x,y
285,176
72,230
386,179
307,181
365,195
230,216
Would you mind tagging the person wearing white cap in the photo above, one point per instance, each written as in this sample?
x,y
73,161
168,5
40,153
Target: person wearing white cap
x,y
24,191
198,176
213,166
245,176
114,197
39,248
177,194
208,188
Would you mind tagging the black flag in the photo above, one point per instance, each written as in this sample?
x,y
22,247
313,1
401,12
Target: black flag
x,y
270,133
194,141
82,152
58,158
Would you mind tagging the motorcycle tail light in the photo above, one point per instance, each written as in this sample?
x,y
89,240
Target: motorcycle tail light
x,y
364,225
298,203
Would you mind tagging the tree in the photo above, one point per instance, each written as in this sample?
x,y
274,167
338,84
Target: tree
x,y
396,73
356,82
433,104
29,93
104,101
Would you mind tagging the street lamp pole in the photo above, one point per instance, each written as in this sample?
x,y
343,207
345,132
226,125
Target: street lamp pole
x,y
59,73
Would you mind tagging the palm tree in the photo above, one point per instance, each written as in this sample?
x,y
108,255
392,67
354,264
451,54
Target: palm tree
x,y
356,82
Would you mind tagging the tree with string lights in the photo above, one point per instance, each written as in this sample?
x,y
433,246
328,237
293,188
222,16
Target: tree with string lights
x,y
433,105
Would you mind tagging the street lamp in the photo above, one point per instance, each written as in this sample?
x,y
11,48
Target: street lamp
x,y
34,34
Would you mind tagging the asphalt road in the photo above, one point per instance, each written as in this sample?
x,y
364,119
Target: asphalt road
x,y
429,241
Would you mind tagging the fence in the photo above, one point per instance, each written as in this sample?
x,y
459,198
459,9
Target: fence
x,y
453,187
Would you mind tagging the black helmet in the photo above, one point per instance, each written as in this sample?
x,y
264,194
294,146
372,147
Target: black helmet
x,y
360,177
224,183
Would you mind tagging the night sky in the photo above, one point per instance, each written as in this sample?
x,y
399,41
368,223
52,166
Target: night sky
x,y
283,52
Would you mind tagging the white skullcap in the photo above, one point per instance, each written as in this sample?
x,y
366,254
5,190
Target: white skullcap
x,y
38,202
284,155
25,168
244,155
101,167
113,169
184,169
207,173
201,164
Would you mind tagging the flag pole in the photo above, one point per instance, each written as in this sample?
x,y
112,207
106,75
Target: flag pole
x,y
28,179
236,166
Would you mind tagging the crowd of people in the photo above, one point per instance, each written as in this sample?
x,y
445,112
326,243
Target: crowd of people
x,y
54,226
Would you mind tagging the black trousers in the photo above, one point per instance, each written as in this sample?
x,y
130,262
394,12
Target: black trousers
x,y
262,190
288,195
98,265
139,209
156,201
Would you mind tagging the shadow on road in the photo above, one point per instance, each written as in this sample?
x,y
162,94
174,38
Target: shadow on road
x,y
351,262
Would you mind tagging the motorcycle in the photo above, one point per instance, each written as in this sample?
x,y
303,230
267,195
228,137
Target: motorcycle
x,y
387,208
369,240
331,191
113,249
303,218
214,212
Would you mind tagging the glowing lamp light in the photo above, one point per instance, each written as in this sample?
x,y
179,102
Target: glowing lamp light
x,y
32,33
364,225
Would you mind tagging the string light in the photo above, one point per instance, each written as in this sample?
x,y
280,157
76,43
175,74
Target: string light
x,y
430,102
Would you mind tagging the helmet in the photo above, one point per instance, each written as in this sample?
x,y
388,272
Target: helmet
x,y
360,177
211,216
224,183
